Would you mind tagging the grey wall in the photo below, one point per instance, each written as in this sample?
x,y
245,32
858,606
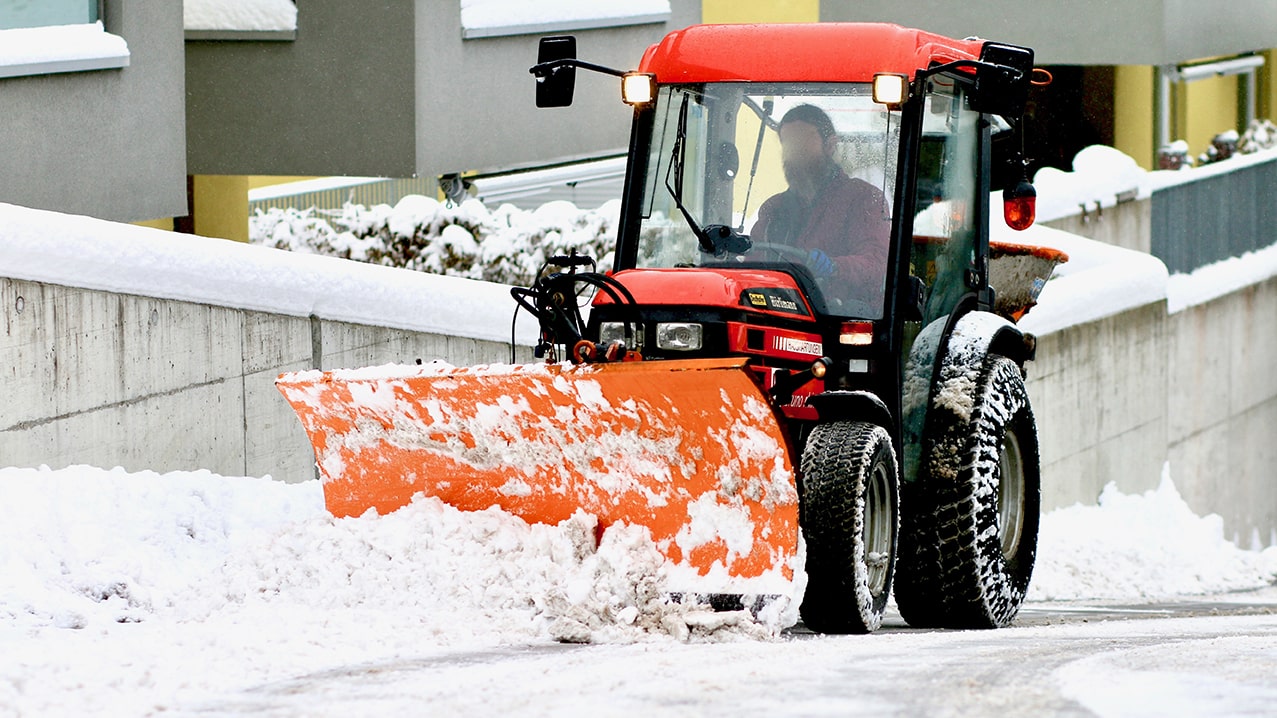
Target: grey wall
x,y
107,143
121,380
336,101
391,89
1086,32
475,99
1222,408
1099,392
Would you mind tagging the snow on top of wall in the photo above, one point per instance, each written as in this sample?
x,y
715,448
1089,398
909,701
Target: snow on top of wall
x,y
1101,173
1220,278
95,254
510,17
1098,281
59,43
241,15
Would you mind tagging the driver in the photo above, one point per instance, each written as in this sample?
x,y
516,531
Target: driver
x,y
842,222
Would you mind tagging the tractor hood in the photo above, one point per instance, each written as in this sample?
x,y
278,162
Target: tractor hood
x,y
759,290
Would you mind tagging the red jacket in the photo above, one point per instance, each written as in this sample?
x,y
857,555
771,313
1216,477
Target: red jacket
x,y
849,221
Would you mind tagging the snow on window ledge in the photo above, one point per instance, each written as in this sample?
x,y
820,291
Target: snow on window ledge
x,y
255,20
60,48
499,18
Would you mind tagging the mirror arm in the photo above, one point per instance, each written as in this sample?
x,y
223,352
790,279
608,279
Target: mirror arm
x,y
546,69
1011,73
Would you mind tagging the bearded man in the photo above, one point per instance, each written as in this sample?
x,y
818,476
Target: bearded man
x,y
842,223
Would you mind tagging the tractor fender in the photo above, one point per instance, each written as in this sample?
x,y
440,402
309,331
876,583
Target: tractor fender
x,y
975,336
943,368
851,406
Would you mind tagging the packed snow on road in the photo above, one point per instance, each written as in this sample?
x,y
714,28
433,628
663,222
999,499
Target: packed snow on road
x,y
140,593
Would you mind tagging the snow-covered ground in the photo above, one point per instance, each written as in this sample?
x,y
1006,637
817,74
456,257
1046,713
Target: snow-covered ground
x,y
138,594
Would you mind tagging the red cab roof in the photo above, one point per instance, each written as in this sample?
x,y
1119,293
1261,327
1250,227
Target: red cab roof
x,y
813,52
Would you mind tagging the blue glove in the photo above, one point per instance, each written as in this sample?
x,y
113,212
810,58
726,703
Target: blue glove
x,y
820,264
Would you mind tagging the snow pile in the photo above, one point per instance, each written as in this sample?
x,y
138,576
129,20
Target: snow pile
x,y
242,15
506,245
90,548
1101,175
1146,546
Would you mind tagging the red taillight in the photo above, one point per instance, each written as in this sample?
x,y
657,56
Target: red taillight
x,y
1019,206
856,334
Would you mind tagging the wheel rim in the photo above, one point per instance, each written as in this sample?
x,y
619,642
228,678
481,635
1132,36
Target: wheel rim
x,y
1010,495
879,523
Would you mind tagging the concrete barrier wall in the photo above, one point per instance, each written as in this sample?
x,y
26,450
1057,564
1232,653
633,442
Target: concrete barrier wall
x,y
1099,395
113,379
1117,398
1222,409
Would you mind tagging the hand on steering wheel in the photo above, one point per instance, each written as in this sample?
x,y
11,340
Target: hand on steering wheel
x,y
820,264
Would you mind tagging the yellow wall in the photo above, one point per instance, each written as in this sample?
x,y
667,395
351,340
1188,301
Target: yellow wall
x,y
221,203
221,206
1205,108
1134,113
256,181
166,223
1266,103
716,11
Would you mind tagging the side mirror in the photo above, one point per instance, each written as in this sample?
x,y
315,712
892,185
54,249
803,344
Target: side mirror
x,y
917,300
1003,89
555,83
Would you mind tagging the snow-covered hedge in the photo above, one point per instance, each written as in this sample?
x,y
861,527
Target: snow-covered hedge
x,y
507,245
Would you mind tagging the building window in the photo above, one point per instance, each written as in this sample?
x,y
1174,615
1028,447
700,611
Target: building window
x,y
16,14
254,20
496,18
41,37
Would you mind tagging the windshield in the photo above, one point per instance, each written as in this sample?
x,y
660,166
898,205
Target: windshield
x,y
806,171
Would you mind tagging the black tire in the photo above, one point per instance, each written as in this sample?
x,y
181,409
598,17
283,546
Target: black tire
x,y
850,519
970,524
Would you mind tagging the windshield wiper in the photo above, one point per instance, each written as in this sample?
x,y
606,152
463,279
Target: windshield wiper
x,y
715,239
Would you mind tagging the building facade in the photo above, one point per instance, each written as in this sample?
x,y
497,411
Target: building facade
x,y
93,101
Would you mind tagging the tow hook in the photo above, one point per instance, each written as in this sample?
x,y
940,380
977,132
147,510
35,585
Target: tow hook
x,y
588,352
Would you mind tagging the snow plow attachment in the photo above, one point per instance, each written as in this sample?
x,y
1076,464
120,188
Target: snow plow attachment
x,y
689,449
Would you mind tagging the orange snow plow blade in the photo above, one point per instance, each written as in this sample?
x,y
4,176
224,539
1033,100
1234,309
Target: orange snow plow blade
x,y
689,449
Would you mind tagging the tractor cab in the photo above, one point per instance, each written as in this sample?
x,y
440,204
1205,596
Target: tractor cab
x,y
810,210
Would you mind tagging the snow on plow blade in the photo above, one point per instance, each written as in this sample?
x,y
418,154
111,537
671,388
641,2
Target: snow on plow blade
x,y
689,449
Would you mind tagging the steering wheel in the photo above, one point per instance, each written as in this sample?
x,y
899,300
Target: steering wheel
x,y
782,252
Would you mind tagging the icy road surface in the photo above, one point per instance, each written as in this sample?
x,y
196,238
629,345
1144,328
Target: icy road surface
x,y
1207,666
190,594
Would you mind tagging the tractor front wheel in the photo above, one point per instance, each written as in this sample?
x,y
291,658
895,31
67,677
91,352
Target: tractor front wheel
x,y
850,519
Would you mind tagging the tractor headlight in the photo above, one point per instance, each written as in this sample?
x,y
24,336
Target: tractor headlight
x,y
612,332
679,336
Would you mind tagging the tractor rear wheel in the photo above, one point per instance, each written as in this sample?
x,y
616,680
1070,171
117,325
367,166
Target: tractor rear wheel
x,y
970,524
850,507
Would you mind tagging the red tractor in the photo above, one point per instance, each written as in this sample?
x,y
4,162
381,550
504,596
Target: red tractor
x,y
798,323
